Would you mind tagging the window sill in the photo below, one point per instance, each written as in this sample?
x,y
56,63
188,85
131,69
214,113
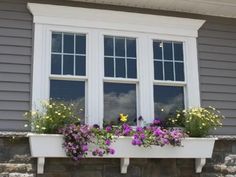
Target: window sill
x,y
50,146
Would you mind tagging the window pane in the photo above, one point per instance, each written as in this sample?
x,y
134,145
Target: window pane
x,y
179,70
178,50
119,98
80,66
168,53
56,64
70,92
120,47
108,46
158,69
131,48
169,74
131,68
68,43
120,67
56,42
80,44
167,100
157,49
109,67
68,64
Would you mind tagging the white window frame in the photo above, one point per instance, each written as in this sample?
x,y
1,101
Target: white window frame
x,y
143,27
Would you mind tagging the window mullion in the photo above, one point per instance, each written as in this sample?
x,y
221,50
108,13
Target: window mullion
x,y
192,74
145,78
94,80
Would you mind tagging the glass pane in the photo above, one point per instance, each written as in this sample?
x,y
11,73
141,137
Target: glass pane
x,y
68,43
168,53
131,48
158,70
179,71
56,64
157,49
108,46
80,44
178,49
56,42
80,66
68,64
169,74
131,68
119,98
167,100
120,67
109,67
120,47
70,92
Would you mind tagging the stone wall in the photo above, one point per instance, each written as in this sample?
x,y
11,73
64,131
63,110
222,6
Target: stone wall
x,y
15,161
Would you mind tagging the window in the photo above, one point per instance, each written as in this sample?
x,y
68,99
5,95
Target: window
x,y
136,64
68,58
168,62
120,65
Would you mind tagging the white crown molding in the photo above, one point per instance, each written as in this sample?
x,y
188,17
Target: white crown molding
x,y
113,20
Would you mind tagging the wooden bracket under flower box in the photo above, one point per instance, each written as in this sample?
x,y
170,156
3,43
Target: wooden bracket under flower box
x,y
50,145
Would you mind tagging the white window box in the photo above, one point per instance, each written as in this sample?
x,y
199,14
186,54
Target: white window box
x,y
50,146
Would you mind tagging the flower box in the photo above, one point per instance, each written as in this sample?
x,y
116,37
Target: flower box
x,y
50,145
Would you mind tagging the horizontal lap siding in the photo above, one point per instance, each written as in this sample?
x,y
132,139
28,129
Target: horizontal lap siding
x,y
15,63
216,53
217,68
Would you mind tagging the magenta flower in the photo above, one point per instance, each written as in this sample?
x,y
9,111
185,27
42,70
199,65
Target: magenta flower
x,y
108,142
108,129
111,151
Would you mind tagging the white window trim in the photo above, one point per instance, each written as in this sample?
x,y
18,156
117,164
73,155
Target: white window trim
x,y
144,27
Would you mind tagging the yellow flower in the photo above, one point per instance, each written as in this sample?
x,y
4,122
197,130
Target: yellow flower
x,y
33,113
123,118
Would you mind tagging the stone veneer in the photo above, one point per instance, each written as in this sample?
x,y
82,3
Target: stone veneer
x,y
15,161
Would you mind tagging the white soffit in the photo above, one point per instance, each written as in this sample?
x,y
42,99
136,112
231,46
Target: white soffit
x,y
223,8
113,20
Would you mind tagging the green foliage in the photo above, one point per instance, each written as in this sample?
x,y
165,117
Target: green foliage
x,y
51,117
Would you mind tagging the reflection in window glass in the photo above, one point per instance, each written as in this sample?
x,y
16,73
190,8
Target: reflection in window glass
x,y
168,60
167,99
119,98
68,43
80,44
120,67
131,68
122,50
168,52
178,50
56,42
69,92
169,73
158,72
109,65
68,65
80,65
56,64
120,47
72,54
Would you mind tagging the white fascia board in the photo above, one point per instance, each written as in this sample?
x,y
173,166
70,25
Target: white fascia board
x,y
113,20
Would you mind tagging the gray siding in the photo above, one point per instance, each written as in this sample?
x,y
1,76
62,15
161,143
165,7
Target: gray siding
x,y
217,62
15,64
